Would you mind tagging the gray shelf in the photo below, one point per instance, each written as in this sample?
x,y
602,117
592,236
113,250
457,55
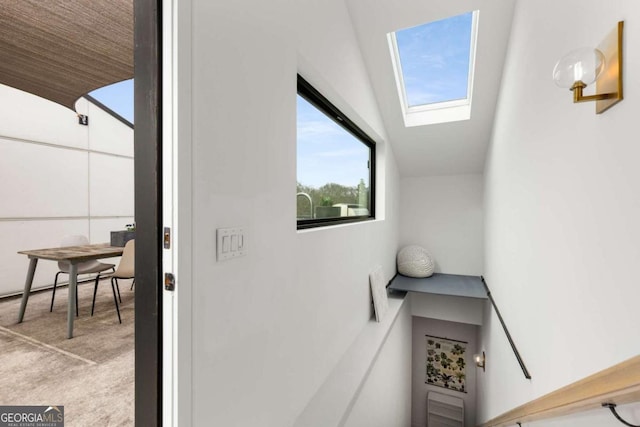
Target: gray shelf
x,y
442,284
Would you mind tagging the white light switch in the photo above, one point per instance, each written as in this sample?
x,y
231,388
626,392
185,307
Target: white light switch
x,y
230,243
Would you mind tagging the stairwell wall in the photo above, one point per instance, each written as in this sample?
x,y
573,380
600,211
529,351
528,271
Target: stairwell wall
x,y
561,212
268,328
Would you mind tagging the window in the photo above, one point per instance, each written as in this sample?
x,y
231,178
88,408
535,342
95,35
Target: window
x,y
434,65
335,164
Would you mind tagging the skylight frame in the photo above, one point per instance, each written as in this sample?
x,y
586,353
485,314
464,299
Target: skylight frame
x,y
437,112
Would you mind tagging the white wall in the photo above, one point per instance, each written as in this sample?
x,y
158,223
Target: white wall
x,y
268,328
385,398
58,178
448,307
562,211
452,330
444,214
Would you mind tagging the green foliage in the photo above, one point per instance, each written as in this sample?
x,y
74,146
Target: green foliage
x,y
445,361
327,195
446,379
457,350
432,371
446,364
326,201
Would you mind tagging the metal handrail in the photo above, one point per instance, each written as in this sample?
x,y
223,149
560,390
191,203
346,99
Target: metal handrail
x,y
310,202
506,331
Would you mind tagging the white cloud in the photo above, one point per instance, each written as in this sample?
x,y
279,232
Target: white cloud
x,y
346,152
313,130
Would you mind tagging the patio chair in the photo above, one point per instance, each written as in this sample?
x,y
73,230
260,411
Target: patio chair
x,y
87,267
125,270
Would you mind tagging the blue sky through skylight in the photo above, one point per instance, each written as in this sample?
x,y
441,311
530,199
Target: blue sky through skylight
x,y
435,60
327,152
118,97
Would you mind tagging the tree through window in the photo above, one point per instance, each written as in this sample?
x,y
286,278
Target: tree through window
x,y
335,163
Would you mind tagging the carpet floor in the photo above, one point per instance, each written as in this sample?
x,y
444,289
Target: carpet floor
x,y
91,375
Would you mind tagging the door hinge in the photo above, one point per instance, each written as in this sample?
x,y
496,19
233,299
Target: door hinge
x,y
169,282
166,240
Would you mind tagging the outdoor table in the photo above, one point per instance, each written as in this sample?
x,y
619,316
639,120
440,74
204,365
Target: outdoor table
x,y
72,255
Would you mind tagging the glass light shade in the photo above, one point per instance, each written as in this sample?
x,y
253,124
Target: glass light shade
x,y
478,359
583,65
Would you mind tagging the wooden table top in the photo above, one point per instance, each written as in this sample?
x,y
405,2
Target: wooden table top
x,y
75,253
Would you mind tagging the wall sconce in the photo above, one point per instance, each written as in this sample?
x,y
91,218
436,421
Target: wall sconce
x,y
480,360
581,67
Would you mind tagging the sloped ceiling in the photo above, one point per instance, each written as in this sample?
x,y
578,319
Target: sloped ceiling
x,y
439,149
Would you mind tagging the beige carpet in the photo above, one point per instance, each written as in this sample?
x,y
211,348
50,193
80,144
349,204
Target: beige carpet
x,y
91,375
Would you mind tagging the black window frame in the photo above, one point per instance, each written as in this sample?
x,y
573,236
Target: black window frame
x,y
313,96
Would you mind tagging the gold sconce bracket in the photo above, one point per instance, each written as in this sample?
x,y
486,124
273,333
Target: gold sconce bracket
x,y
609,83
602,66
579,97
611,80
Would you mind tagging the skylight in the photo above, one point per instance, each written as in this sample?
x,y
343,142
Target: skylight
x,y
434,65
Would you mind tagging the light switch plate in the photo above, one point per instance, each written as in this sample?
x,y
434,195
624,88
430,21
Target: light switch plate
x,y
230,243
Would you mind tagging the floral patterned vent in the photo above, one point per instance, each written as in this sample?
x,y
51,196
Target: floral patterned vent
x,y
445,363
